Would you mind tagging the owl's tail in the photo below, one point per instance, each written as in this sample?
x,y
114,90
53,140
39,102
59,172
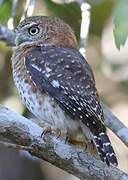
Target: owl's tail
x,y
104,148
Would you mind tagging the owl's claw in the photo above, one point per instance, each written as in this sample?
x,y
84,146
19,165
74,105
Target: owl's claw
x,y
58,131
49,129
45,131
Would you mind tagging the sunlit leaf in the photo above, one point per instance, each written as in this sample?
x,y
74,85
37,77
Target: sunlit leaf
x,y
120,19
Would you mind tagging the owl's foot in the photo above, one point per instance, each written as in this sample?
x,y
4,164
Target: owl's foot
x,y
49,129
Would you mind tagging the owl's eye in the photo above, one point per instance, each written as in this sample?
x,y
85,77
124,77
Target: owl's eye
x,y
33,31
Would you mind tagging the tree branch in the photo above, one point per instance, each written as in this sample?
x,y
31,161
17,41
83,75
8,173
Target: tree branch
x,y
117,127
7,35
27,135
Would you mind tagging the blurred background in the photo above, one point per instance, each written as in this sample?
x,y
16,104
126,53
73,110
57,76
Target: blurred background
x,y
107,56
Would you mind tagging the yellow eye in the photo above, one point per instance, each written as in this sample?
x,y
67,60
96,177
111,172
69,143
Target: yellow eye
x,y
33,31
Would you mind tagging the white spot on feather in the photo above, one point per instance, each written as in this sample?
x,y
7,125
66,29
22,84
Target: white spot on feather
x,y
67,66
55,83
33,59
36,67
59,75
48,69
79,108
47,75
68,55
102,133
106,144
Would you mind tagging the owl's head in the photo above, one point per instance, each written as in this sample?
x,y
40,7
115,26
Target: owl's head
x,y
46,31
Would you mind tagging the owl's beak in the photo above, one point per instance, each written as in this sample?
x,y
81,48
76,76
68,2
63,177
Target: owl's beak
x,y
20,38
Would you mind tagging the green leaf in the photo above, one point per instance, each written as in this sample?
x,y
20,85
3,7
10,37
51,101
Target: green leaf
x,y
120,19
99,15
95,2
5,10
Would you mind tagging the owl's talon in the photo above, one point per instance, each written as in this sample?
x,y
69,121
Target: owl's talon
x,y
51,130
67,139
46,130
58,131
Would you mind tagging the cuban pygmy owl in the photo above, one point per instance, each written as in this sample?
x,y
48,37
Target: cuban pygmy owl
x,y
56,83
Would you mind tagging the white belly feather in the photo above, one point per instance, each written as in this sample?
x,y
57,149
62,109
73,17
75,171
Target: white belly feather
x,y
45,108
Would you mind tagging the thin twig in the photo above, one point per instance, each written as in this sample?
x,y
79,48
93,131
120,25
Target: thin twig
x,y
7,35
28,10
1,1
85,23
10,22
115,125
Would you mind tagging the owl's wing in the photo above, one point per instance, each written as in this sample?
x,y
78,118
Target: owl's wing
x,y
64,74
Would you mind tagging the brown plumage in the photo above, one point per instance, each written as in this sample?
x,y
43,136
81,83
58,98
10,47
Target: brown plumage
x,y
56,83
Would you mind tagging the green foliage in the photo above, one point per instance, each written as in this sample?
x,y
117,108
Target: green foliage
x,y
5,10
100,12
95,2
120,19
123,86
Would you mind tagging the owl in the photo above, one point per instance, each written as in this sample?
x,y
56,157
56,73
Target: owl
x,y
56,83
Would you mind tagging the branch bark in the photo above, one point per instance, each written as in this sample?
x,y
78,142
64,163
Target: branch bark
x,y
27,135
117,127
7,35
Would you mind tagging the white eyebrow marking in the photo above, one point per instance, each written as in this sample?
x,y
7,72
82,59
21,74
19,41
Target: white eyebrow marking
x,y
30,25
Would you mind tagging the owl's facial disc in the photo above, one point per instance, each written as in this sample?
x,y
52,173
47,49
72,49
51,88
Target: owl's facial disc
x,y
46,31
